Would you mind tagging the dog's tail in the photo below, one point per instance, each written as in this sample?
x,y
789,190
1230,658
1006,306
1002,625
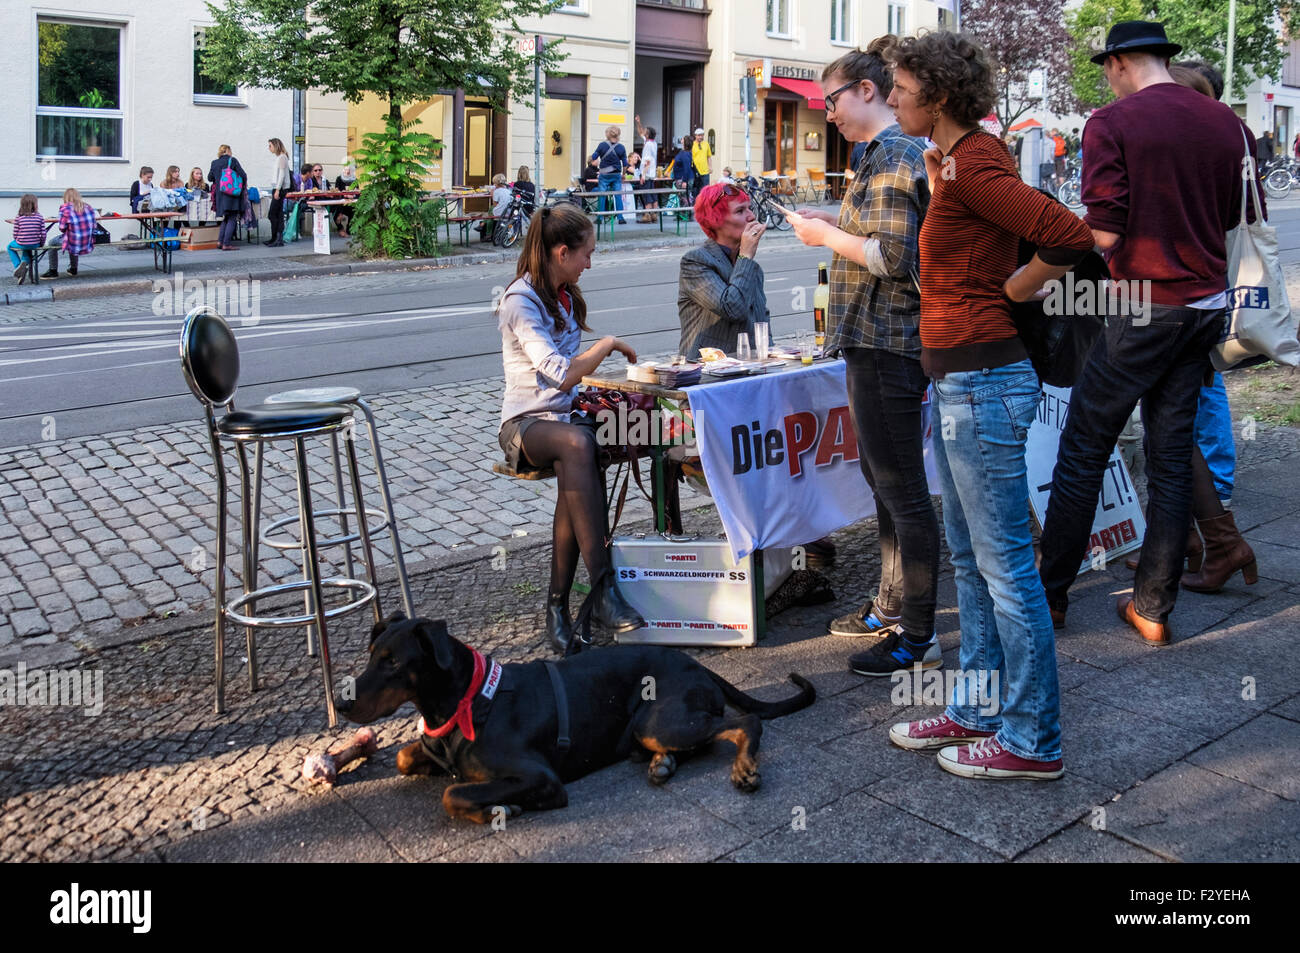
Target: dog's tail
x,y
747,703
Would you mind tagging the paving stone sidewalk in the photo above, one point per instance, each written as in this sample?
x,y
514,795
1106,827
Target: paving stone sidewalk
x,y
1178,754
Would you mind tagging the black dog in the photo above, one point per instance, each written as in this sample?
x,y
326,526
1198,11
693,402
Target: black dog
x,y
498,729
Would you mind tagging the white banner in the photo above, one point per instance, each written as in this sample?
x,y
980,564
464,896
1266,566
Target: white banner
x,y
781,458
781,461
1120,524
321,231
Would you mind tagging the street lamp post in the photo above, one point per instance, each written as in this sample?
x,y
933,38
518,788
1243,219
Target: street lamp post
x,y
1232,37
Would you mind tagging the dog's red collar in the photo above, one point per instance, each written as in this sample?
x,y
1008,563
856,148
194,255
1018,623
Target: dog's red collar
x,y
464,715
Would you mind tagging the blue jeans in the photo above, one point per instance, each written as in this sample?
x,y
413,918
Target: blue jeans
x,y
1214,435
983,420
611,183
15,248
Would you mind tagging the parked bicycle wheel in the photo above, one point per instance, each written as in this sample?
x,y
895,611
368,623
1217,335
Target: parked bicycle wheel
x,y
511,231
776,219
1278,182
1070,194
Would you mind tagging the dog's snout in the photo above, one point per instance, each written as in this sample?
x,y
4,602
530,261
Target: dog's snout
x,y
343,705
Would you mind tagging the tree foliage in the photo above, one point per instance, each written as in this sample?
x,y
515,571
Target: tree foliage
x,y
404,51
1023,36
391,218
1199,26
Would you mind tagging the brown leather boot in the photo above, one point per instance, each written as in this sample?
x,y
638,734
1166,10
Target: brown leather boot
x,y
1153,633
1225,553
1195,552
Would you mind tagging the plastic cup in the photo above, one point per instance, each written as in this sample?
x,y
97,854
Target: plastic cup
x,y
742,347
805,340
761,340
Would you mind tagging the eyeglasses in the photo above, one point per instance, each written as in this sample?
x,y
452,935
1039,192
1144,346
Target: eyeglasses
x,y
317,169
831,97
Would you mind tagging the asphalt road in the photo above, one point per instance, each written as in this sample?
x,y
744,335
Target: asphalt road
x,y
117,368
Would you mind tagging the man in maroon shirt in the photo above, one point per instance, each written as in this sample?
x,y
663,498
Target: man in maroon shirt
x,y
1160,216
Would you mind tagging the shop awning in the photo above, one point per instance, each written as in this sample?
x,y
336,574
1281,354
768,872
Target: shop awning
x,y
804,87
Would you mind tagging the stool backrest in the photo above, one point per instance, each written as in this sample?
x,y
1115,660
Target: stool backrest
x,y
209,357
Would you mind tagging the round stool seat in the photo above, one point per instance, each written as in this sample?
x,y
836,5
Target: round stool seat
x,y
287,418
315,395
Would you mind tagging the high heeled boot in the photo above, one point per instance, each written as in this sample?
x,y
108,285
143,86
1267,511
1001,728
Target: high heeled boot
x,y
1195,551
1225,553
559,626
611,609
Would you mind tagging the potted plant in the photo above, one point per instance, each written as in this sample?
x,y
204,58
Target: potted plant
x,y
89,128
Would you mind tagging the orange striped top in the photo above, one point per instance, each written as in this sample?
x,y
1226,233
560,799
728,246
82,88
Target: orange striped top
x,y
969,242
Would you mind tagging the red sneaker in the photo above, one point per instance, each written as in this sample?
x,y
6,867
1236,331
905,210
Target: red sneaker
x,y
930,733
988,759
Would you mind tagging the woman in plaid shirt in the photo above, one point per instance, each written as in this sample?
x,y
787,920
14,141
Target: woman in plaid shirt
x,y
77,223
875,316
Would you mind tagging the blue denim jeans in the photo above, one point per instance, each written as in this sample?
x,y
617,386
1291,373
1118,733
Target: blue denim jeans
x,y
15,248
982,423
610,183
1214,436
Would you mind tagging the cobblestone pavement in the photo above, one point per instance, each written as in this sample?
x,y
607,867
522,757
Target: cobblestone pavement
x,y
111,531
1184,753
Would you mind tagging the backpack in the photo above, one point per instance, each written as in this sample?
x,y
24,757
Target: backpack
x,y
231,184
604,152
1059,344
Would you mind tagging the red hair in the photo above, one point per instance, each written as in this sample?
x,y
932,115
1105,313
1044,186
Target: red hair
x,y
712,206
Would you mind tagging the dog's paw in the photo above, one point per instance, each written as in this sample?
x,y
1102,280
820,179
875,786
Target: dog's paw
x,y
746,778
662,767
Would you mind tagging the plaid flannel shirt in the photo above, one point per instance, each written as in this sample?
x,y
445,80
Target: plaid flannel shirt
x,y
78,229
887,201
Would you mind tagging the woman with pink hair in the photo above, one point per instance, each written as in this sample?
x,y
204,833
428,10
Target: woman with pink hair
x,y
720,286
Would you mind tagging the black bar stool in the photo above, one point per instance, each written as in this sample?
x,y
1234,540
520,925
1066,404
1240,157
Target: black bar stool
x,y
210,362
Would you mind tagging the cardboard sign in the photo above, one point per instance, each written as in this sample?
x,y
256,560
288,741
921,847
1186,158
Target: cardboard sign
x,y
1119,524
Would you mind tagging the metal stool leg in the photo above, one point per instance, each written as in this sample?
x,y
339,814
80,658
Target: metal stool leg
x,y
388,510
312,568
366,548
220,585
343,503
249,534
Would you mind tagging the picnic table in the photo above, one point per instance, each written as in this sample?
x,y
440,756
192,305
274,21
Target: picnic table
x,y
152,225
683,212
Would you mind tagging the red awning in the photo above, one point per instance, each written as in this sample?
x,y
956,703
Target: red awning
x,y
804,87
1027,124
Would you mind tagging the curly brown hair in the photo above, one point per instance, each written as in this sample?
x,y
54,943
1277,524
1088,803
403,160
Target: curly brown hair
x,y
953,71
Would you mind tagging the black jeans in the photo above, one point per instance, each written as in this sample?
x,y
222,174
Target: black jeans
x,y
1163,364
226,235
276,216
885,392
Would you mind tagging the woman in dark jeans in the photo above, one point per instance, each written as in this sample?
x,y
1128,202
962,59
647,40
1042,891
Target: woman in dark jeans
x,y
229,207
280,182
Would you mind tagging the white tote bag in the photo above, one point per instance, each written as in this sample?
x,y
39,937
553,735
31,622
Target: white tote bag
x,y
1260,323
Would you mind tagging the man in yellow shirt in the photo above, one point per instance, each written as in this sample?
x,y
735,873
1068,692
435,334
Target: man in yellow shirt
x,y
702,159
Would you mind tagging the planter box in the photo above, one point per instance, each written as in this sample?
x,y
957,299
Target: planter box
x,y
199,239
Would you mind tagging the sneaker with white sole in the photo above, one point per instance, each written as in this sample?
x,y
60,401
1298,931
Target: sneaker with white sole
x,y
866,622
896,653
931,733
988,759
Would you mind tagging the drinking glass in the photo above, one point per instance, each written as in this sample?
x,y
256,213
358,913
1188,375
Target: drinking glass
x,y
742,346
761,340
805,340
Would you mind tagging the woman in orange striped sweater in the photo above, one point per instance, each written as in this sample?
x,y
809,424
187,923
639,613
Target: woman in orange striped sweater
x,y
1005,723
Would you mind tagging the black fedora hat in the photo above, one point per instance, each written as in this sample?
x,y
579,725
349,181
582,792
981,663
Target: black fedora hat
x,y
1132,36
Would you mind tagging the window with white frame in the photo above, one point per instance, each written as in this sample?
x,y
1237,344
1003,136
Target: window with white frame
x,y
79,88
572,6
897,19
778,17
841,21
207,91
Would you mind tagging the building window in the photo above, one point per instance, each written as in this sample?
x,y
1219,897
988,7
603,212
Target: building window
x,y
841,21
945,19
778,17
79,80
206,89
572,6
897,19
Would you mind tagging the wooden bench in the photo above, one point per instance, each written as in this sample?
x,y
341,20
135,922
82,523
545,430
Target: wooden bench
x,y
465,221
504,470
606,218
162,254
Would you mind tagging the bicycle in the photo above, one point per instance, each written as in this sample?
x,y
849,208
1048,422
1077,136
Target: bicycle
x,y
762,195
1070,192
1280,176
510,225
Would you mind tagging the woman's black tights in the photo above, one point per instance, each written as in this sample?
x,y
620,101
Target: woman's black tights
x,y
580,516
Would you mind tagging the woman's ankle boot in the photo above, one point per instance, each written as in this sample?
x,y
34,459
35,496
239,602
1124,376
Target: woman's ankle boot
x,y
559,627
1195,551
1225,553
611,609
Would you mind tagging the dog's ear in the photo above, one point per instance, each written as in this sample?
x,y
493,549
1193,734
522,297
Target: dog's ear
x,y
436,640
379,627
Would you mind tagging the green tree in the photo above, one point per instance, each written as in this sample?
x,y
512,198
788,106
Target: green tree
x,y
404,51
1199,26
